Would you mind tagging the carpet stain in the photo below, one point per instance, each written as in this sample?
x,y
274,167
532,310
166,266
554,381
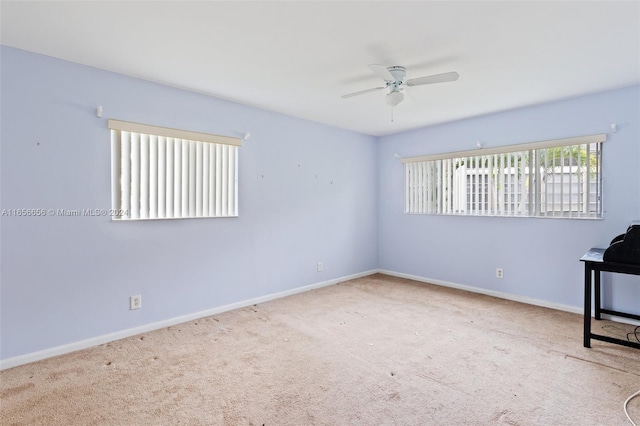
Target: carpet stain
x,y
66,373
16,390
394,395
503,416
600,364
503,350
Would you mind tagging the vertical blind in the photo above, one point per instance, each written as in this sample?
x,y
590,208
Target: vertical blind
x,y
557,178
163,173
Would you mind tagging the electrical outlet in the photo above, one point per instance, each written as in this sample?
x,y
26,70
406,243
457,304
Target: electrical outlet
x,y
135,302
320,266
499,273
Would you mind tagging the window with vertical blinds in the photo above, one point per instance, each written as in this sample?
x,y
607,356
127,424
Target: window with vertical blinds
x,y
557,178
163,173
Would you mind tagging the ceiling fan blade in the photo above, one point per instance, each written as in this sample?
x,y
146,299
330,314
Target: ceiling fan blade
x,y
436,78
382,72
362,92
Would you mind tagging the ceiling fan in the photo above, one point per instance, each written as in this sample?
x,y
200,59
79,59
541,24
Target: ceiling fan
x,y
395,78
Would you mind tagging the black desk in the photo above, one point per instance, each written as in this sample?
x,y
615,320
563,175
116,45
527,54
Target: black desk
x,y
593,266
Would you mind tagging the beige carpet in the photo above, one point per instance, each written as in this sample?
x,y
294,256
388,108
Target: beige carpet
x,y
372,351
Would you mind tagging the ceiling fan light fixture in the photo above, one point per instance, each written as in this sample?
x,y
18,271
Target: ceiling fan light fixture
x,y
394,98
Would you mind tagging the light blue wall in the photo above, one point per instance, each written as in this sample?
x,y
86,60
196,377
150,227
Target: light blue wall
x,y
539,256
306,194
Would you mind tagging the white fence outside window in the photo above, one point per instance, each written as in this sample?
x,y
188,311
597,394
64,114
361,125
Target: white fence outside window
x,y
561,178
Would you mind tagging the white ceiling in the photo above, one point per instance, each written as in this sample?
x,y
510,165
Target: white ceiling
x,y
298,57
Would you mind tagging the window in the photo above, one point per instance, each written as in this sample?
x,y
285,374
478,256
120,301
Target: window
x,y
557,178
162,173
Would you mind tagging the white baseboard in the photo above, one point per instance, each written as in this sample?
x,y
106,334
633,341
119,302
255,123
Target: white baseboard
x,y
498,294
508,296
106,338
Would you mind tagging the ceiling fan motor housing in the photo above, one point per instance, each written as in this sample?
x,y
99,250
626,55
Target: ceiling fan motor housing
x,y
394,97
399,73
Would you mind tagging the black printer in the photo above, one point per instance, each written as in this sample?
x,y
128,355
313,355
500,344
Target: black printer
x,y
625,248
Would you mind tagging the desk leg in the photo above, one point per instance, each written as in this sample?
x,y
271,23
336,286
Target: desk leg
x,y
596,294
587,305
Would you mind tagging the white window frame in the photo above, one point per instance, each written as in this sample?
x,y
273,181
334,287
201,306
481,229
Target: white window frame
x,y
164,173
560,178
